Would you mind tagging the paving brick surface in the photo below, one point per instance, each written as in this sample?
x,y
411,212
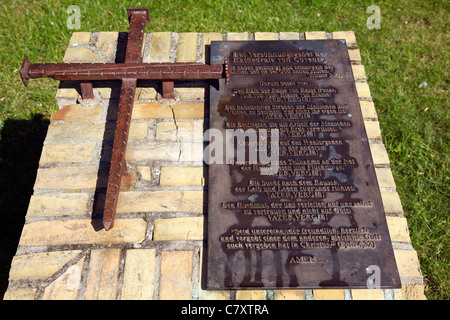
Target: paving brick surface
x,y
155,249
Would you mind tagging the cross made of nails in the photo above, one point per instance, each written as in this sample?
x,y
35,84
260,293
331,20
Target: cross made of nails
x,y
128,72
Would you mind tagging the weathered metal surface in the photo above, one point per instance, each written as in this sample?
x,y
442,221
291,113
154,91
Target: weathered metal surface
x,y
118,71
87,91
318,222
167,90
137,18
118,166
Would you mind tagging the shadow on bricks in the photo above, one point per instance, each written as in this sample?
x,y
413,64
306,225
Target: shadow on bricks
x,y
103,169
20,149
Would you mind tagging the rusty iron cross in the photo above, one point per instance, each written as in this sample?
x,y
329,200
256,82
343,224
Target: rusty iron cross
x,y
128,72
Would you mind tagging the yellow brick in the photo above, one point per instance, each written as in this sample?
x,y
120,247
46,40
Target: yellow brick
x,y
80,54
289,294
80,38
358,71
367,294
20,294
145,171
59,153
103,275
349,36
165,151
55,232
368,109
189,110
40,265
67,178
398,229
187,228
67,93
379,153
410,292
315,35
138,130
169,130
214,294
191,93
391,202
407,263
109,93
160,201
79,131
363,89
161,47
329,294
191,151
66,286
146,93
265,36
385,178
182,131
107,43
289,36
76,112
211,36
373,129
181,176
250,295
187,47
176,272
139,274
181,110
237,36
162,151
62,204
354,55
151,110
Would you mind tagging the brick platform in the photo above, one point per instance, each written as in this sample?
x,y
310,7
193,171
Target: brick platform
x,y
155,249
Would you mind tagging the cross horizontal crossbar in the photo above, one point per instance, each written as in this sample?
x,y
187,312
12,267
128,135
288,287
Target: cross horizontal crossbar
x,y
119,71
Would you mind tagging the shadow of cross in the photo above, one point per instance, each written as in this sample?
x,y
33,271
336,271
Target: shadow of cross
x,y
128,72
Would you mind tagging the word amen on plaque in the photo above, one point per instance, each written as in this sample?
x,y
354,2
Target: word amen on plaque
x,y
293,200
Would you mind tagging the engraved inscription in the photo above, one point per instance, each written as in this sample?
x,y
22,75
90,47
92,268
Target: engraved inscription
x,y
299,238
321,208
306,148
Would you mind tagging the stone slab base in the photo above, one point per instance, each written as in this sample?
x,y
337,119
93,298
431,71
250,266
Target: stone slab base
x,y
155,249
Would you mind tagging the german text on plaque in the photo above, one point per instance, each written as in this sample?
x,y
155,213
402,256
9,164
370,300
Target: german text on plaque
x,y
293,200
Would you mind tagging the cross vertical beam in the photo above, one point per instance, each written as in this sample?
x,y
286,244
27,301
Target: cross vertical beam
x,y
118,167
138,17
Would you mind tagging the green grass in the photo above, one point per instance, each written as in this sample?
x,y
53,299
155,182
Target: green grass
x,y
411,48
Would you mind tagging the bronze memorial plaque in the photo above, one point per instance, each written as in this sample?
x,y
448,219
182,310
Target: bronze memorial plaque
x,y
293,200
